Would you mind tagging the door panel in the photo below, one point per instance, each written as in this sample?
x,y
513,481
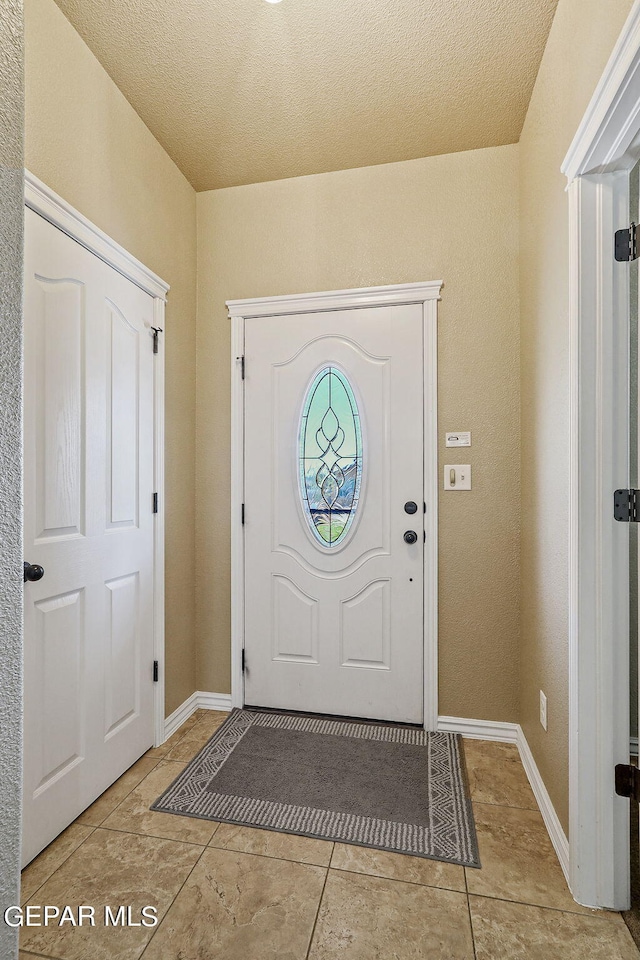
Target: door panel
x,y
334,625
59,644
365,627
88,429
60,416
123,390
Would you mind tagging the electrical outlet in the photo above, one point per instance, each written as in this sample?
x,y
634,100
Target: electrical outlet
x,y
543,710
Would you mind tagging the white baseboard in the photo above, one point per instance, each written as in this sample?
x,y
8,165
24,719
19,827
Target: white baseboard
x,y
552,823
214,701
513,733
200,700
178,717
480,729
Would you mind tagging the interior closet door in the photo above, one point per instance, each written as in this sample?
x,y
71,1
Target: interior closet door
x,y
334,512
88,522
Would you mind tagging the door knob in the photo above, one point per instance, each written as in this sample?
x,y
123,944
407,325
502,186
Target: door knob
x,y
411,506
410,536
33,572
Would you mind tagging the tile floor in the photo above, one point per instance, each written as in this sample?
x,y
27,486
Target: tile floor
x,y
232,893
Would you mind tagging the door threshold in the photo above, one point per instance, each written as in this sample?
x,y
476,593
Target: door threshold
x,y
333,716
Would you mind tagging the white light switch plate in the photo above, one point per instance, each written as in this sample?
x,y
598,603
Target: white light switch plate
x,y
457,476
458,438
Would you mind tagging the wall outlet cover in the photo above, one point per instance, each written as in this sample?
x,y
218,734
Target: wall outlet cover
x,y
543,709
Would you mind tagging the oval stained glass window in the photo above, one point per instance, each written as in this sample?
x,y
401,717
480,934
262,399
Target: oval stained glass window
x,y
330,455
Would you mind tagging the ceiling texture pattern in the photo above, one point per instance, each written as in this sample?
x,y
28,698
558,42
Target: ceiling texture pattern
x,y
243,91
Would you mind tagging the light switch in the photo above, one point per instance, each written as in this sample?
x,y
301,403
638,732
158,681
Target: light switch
x,y
457,476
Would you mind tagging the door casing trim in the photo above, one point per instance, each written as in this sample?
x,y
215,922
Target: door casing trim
x,y
45,202
427,294
604,150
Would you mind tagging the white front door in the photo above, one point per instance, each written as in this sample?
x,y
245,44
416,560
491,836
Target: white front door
x,y
88,462
334,555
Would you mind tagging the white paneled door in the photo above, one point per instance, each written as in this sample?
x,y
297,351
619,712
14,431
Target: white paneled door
x,y
334,512
88,463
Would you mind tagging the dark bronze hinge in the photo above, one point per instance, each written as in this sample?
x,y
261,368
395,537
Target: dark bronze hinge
x,y
243,660
625,506
626,244
627,781
155,671
156,331
154,503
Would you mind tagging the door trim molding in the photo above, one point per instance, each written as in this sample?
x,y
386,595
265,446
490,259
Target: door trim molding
x,y
605,148
400,293
45,202
426,293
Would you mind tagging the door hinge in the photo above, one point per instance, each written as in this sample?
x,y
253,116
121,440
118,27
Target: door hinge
x,y
154,502
625,505
156,331
243,514
243,660
627,780
242,366
155,671
626,245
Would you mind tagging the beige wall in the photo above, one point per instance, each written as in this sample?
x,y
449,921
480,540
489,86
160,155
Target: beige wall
x,y
86,142
453,217
581,40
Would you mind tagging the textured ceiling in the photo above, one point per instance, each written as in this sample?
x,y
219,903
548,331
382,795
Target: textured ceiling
x,y
241,91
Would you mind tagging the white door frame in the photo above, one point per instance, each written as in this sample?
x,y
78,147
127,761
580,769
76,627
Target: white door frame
x,y
42,200
605,148
428,294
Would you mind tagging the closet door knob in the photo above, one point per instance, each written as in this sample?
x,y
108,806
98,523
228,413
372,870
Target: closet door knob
x,y
410,536
33,572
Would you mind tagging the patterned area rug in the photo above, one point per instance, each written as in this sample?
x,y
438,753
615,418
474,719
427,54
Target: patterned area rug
x,y
377,785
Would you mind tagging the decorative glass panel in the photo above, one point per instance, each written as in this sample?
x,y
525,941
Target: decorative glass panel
x,y
330,453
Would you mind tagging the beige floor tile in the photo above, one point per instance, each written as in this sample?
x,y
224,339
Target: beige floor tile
x,y
518,860
398,866
491,748
498,780
156,753
109,800
369,918
235,906
514,931
185,750
174,739
40,869
268,843
191,744
110,869
134,816
213,719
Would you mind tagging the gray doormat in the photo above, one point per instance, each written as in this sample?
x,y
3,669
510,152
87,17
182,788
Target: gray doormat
x,y
373,784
